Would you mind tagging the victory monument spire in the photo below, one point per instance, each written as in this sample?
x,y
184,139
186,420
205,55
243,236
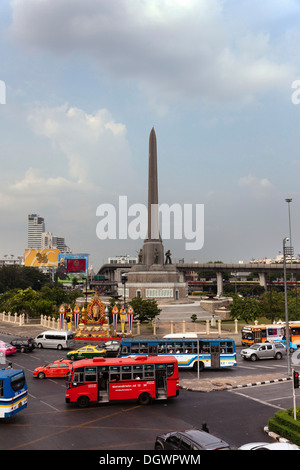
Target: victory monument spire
x,y
153,250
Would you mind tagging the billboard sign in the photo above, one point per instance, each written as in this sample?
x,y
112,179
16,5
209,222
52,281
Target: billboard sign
x,y
41,258
70,263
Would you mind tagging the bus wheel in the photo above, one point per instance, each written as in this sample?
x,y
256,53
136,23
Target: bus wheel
x,y
83,401
201,366
144,399
253,357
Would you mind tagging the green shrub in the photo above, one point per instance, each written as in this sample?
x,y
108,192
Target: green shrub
x,y
283,423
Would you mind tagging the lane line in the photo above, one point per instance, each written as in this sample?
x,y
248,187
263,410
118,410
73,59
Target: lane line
x,y
262,402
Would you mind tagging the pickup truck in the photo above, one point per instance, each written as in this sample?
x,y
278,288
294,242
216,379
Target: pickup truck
x,y
257,351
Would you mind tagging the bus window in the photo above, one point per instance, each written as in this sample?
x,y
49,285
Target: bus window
x,y
79,376
125,350
144,348
135,348
162,348
149,370
229,346
170,348
170,370
152,349
18,382
178,348
126,372
138,372
114,372
90,374
205,347
188,347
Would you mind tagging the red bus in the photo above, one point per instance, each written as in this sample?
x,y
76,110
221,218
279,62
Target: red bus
x,y
141,378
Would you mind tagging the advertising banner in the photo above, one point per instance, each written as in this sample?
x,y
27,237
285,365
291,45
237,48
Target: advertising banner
x,y
41,258
71,263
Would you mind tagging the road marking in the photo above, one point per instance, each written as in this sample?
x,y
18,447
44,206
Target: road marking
x,y
47,404
77,426
281,398
265,367
258,400
245,367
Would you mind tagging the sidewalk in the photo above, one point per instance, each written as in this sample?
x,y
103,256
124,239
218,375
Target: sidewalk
x,y
28,331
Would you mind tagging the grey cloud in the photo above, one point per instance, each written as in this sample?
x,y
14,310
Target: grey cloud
x,y
172,50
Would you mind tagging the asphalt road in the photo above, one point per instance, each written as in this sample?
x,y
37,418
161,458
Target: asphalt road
x,y
48,423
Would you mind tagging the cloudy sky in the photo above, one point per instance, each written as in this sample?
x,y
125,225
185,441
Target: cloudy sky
x,y
86,82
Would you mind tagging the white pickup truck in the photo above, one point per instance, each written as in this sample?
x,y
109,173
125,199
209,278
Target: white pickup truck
x,y
257,351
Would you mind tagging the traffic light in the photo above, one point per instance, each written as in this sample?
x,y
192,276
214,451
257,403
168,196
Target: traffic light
x,y
296,379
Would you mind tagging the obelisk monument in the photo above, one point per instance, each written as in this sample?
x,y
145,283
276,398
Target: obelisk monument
x,y
153,250
151,277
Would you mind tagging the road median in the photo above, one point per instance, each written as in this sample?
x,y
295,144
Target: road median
x,y
229,383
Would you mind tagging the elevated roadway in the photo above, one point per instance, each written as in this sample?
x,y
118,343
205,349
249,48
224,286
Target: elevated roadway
x,y
113,272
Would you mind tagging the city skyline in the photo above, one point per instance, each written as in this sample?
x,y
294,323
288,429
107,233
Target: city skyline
x,y
218,82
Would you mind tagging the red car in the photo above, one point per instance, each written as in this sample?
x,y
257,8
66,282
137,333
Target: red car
x,y
58,368
6,349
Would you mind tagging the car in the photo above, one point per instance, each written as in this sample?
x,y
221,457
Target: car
x,y
192,439
275,350
269,446
7,349
86,352
112,348
59,368
293,346
23,344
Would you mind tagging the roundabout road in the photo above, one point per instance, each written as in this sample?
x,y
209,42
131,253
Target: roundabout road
x,y
49,423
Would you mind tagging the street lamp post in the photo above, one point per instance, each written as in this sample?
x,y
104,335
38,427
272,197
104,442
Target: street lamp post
x,y
288,200
124,279
287,251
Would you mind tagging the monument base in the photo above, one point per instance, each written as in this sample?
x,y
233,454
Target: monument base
x,y
160,282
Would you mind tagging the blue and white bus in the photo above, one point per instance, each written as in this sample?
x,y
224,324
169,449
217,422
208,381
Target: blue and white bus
x,y
13,392
210,353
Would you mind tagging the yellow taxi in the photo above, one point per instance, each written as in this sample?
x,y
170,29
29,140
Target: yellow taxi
x,y
86,352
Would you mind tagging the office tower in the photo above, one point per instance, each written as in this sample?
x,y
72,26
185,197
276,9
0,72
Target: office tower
x,y
36,226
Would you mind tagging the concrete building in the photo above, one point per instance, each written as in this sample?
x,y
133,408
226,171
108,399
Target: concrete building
x,y
123,259
11,260
36,226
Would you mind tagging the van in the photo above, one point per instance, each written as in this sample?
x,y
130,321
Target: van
x,y
55,339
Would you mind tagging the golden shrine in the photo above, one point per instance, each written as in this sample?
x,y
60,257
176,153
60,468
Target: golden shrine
x,y
94,324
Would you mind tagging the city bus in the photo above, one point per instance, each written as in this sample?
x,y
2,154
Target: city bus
x,y
274,332
209,353
13,392
142,378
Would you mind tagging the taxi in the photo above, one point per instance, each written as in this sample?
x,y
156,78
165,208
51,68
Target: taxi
x,y
58,368
86,352
7,349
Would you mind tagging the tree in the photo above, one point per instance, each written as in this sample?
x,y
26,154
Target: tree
x,y
45,301
144,310
21,277
246,309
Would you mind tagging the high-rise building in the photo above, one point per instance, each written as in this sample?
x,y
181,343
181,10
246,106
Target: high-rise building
x,y
36,226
